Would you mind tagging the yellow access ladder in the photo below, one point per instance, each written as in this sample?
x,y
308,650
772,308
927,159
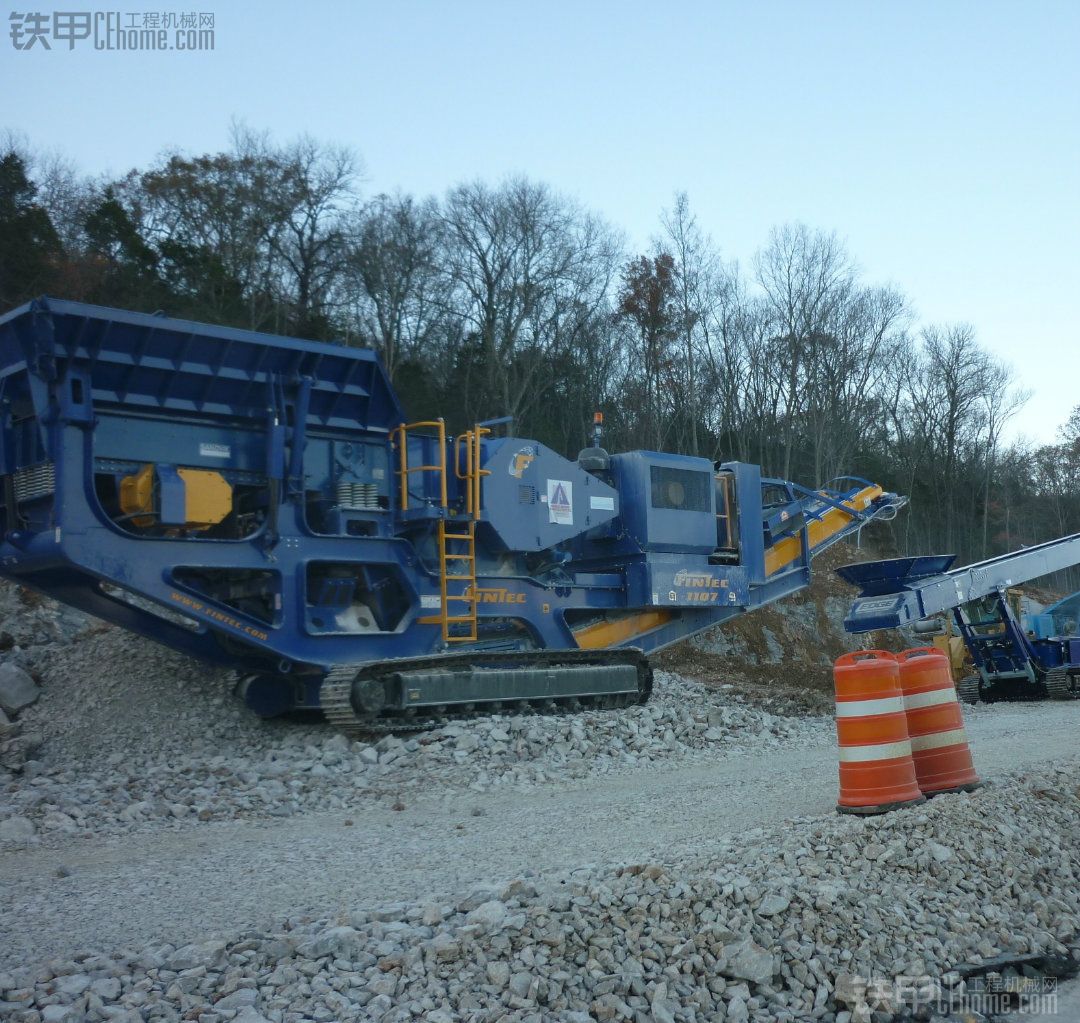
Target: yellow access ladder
x,y
458,592
457,550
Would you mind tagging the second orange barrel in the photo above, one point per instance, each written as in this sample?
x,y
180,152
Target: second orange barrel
x,y
935,723
876,772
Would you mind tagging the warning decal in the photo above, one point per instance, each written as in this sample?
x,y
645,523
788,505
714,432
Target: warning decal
x,y
560,502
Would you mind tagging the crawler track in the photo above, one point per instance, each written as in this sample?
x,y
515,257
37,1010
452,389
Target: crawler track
x,y
969,690
1057,684
1061,684
336,695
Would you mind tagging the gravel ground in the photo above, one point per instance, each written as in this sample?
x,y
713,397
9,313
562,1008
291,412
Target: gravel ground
x,y
786,922
279,773
241,871
164,855
128,736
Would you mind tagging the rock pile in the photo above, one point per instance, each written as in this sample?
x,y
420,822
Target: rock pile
x,y
18,690
27,622
273,770
811,920
124,734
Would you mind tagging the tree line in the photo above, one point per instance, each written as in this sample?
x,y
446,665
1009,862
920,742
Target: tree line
x,y
514,299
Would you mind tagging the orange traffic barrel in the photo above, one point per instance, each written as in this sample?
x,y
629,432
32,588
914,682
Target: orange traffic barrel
x,y
935,723
876,769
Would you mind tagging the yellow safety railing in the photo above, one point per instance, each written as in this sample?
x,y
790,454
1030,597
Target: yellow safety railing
x,y
400,437
456,538
473,473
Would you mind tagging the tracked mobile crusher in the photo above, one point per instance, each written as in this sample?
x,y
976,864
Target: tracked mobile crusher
x,y
261,502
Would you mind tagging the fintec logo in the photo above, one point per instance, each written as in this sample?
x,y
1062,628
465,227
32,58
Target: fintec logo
x,y
112,31
703,580
496,595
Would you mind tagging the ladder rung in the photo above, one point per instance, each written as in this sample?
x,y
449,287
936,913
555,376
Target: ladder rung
x,y
457,542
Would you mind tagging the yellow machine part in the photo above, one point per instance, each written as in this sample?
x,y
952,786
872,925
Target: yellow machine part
x,y
831,522
137,496
207,497
619,629
953,647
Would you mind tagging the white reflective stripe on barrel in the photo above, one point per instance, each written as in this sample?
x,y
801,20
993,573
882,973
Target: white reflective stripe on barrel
x,y
930,699
951,738
882,751
866,708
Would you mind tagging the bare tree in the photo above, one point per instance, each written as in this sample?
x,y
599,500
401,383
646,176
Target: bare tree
x,y
697,271
728,336
1070,432
252,235
1001,401
392,272
526,270
210,220
846,365
958,399
648,306
312,200
806,276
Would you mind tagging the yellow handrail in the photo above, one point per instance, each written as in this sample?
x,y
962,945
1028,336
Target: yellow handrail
x,y
400,436
477,434
471,476
473,473
468,474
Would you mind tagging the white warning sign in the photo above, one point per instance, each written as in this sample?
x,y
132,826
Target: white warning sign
x,y
560,502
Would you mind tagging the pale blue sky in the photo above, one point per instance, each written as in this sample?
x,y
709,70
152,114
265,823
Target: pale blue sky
x,y
939,139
